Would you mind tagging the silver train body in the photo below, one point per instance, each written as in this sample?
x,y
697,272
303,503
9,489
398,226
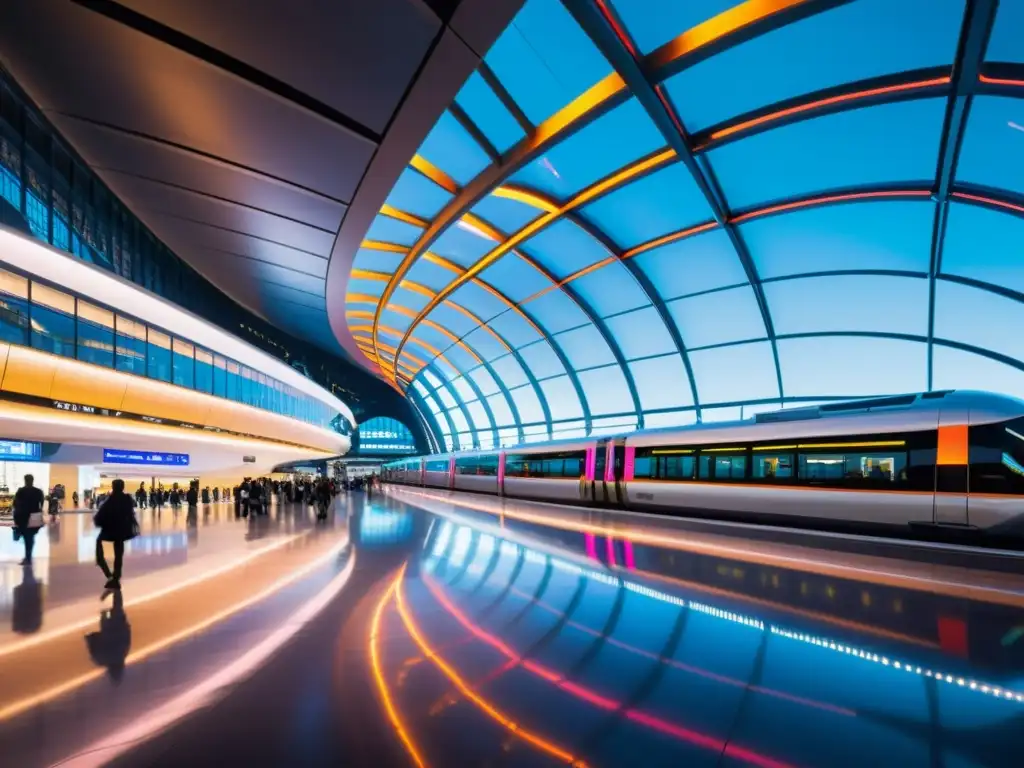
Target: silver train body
x,y
950,459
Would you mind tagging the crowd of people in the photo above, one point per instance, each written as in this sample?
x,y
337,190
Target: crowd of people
x,y
116,521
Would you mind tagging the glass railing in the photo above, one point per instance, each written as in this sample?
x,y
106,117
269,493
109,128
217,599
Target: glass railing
x,y
37,315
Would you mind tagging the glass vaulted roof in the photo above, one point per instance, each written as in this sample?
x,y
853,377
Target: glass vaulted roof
x,y
640,213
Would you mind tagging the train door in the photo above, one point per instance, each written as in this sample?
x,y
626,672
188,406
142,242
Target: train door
x,y
614,466
598,492
951,460
451,474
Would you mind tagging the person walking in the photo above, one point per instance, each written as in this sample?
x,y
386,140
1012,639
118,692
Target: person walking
x,y
117,524
28,515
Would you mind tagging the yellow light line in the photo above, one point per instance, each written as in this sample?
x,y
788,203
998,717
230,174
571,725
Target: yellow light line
x,y
434,173
408,218
489,709
56,691
378,675
884,443
381,245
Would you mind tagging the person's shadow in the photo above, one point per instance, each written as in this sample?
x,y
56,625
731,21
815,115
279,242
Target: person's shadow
x,y
109,646
27,616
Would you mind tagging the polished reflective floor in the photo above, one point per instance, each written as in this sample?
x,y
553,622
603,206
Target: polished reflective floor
x,y
421,629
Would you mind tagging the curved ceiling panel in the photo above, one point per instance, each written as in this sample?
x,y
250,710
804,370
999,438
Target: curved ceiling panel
x,y
638,213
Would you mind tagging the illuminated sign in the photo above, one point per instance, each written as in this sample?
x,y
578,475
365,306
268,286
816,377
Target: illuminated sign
x,y
150,458
15,450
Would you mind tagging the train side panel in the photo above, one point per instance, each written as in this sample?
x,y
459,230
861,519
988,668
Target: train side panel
x,y
556,489
477,483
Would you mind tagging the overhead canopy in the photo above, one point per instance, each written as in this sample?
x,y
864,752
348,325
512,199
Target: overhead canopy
x,y
648,212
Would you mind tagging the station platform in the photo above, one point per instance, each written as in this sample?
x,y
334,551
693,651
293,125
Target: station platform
x,y
425,628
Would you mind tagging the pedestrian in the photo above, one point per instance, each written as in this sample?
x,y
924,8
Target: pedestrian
x,y
28,515
117,524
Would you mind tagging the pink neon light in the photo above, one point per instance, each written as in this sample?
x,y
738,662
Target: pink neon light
x,y
591,545
603,702
627,546
501,470
591,462
609,463
611,551
627,471
451,474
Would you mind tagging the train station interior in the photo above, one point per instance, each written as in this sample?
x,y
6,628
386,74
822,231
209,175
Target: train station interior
x,y
512,383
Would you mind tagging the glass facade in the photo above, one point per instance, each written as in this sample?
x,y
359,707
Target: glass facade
x,y
383,435
64,324
693,214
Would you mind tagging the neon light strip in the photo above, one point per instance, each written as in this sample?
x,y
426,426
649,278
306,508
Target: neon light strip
x,y
382,686
800,108
627,545
591,541
495,714
1000,81
603,702
830,199
990,201
611,550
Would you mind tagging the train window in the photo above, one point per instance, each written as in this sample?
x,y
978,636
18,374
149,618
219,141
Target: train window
x,y
564,464
722,466
440,465
486,466
997,458
676,467
774,466
883,467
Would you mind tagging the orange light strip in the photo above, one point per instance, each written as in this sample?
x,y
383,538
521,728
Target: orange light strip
x,y
669,238
380,245
408,218
489,709
990,201
617,179
382,685
434,173
952,446
525,196
1000,81
829,199
724,24
591,99
800,108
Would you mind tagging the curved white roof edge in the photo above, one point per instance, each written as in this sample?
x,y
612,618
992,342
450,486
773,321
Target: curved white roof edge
x,y
37,258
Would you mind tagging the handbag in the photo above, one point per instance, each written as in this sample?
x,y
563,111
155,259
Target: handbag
x,y
35,520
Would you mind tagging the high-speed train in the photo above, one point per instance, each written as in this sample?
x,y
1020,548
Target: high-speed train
x,y
950,460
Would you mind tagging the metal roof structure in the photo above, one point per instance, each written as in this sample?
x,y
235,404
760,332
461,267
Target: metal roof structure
x,y
638,213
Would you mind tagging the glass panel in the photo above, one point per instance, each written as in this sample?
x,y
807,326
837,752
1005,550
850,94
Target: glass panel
x,y
991,156
501,410
653,23
849,303
449,147
131,346
234,382
610,290
888,143
665,201
95,334
460,422
718,318
893,235
851,367
661,382
1004,44
554,312
416,194
585,347
514,328
506,214
979,318
184,364
956,369
564,248
485,344
516,278
159,355
903,36
545,60
561,397
464,390
479,417
693,265
53,321
542,360
879,467
612,141
220,381
984,245
772,466
488,113
204,370
641,334
606,391
446,397
671,419
389,230
509,371
13,308
737,373
527,404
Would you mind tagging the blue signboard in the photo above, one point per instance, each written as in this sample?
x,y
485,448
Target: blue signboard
x,y
15,450
151,458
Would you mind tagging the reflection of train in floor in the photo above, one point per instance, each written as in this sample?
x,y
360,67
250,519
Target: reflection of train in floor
x,y
951,460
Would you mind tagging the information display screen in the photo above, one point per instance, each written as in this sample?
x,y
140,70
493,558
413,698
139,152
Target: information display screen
x,y
16,450
151,458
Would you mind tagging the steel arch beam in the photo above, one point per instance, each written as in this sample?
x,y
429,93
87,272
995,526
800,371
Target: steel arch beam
x,y
608,33
974,34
